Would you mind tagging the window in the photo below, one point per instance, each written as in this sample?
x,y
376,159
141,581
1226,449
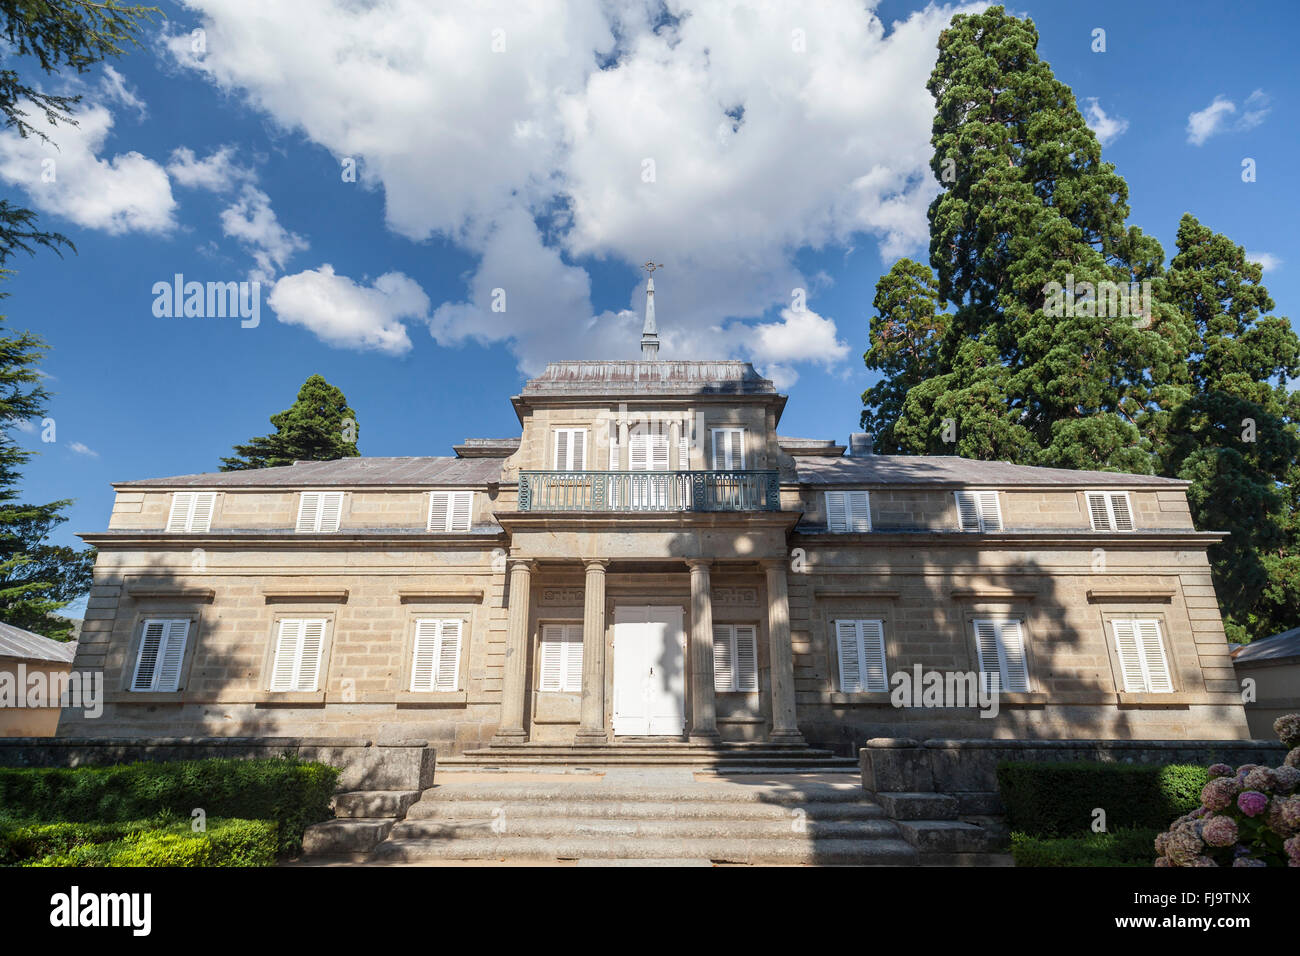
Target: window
x,y
435,662
848,511
450,510
978,511
1142,662
728,449
561,669
319,510
735,658
648,450
860,646
570,449
1110,511
162,650
1001,648
191,511
299,646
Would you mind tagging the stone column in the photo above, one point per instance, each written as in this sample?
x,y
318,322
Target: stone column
x,y
785,729
674,443
704,714
515,682
624,452
592,728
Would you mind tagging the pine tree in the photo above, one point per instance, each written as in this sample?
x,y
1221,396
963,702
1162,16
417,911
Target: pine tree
x,y
319,426
1235,437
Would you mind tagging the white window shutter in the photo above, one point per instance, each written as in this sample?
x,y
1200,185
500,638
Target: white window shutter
x,y
1098,512
449,655
639,451
573,659
837,516
746,657
1015,667
986,646
1130,656
684,447
990,511
462,509
615,460
848,650
439,510
859,510
283,671
724,670
168,676
1153,657
659,452
968,513
561,449
579,453
331,511
1123,515
424,658
875,676
552,657
313,645
179,518
146,664
299,648
308,511
201,516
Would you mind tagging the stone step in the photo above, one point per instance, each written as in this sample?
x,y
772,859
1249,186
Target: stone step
x,y
946,836
879,851
345,837
562,828
918,806
722,770
488,810
649,758
584,791
374,803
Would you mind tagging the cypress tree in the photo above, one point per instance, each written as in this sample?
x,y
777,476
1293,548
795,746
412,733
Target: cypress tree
x,y
319,426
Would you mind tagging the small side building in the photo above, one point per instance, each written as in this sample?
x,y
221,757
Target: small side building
x,y
1273,663
24,655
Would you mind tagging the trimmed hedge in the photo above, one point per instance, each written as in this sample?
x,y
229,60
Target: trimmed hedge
x,y
1057,799
292,792
140,843
1122,847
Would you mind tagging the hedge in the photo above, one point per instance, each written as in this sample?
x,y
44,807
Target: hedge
x,y
289,791
1121,847
140,843
1058,799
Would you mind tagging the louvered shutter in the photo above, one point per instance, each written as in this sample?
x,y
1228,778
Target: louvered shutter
x,y
859,510
848,649
728,449
989,510
461,510
968,513
684,447
298,651
837,516
201,516
168,676
331,511
449,655
424,659
1153,657
179,518
1130,656
313,644
874,673
283,671
552,657
986,646
724,671
562,449
146,665
308,511
1098,512
746,657
659,452
1121,512
573,659
1015,667
639,456
615,461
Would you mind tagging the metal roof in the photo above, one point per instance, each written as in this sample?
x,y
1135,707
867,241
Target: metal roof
x,y
343,472
16,642
1286,644
950,470
648,378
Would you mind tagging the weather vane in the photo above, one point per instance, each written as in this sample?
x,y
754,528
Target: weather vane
x,y
650,266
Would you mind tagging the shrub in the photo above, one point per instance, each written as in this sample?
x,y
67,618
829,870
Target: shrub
x,y
1246,817
140,843
1121,847
1058,799
292,792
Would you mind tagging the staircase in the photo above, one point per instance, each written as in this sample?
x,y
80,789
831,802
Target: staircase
x,y
730,757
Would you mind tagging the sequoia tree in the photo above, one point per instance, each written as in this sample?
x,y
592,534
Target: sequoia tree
x,y
319,426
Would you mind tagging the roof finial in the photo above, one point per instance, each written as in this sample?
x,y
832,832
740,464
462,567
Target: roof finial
x,y
650,333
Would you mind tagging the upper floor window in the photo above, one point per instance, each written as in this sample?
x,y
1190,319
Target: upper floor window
x,y
561,658
570,449
728,449
978,511
860,646
1142,661
1000,644
319,510
435,663
1110,511
735,658
450,510
848,511
299,647
158,660
191,511
648,450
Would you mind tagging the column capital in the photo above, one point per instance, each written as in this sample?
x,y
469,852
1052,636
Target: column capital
x,y
704,563
526,564
771,564
590,563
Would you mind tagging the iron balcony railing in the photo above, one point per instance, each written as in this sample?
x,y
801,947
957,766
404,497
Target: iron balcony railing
x,y
649,491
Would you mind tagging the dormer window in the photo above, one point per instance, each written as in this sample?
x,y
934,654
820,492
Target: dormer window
x,y
848,511
1110,511
192,511
319,511
450,510
978,511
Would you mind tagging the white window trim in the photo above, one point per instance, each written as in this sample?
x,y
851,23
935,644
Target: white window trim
x,y
1112,519
740,683
851,515
988,509
313,521
999,625
569,637
168,641
738,441
449,521
441,631
1153,673
555,456
297,684
868,635
192,519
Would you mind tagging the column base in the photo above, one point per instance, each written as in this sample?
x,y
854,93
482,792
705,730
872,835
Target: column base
x,y
704,737
590,738
787,738
508,738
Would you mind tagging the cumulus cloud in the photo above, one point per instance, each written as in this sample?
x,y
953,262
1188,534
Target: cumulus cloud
x,y
113,88
253,222
346,314
1267,261
1108,128
722,140
81,449
218,172
127,193
1222,116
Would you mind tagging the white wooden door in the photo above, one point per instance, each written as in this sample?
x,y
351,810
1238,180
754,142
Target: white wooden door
x,y
649,671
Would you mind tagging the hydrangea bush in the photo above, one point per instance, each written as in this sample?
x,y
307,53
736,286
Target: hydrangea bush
x,y
1248,817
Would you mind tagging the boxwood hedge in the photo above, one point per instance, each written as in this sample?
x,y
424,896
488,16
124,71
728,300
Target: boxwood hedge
x,y
158,842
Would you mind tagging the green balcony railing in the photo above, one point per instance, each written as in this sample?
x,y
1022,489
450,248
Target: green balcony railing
x,y
649,491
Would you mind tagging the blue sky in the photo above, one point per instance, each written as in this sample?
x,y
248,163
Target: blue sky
x,y
523,168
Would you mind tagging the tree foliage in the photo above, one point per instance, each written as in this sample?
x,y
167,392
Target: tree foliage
x,y
319,426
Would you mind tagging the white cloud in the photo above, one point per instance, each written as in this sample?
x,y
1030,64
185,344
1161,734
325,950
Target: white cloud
x,y
217,173
113,88
1218,117
24,425
81,449
1267,261
253,222
128,193
347,315
1108,128
761,147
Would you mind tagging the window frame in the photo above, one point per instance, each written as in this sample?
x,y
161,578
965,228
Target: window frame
x,y
273,651
320,512
413,650
999,622
1111,517
132,672
981,524
733,643
565,627
555,447
860,638
193,498
1117,655
452,495
714,432
850,514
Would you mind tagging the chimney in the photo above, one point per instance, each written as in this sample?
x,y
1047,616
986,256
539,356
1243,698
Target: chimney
x,y
861,445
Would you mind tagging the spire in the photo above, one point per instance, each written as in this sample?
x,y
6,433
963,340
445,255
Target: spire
x,y
650,333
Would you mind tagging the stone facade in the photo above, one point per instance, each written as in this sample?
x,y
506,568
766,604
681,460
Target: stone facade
x,y
751,545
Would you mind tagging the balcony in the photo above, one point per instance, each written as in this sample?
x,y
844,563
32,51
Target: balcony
x,y
659,491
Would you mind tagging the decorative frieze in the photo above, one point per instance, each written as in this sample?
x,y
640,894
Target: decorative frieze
x,y
561,596
735,597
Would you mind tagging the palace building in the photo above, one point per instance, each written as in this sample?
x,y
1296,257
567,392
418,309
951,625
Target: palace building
x,y
650,557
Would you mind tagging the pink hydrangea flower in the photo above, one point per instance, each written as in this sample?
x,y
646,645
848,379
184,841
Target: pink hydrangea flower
x,y
1252,803
1220,831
